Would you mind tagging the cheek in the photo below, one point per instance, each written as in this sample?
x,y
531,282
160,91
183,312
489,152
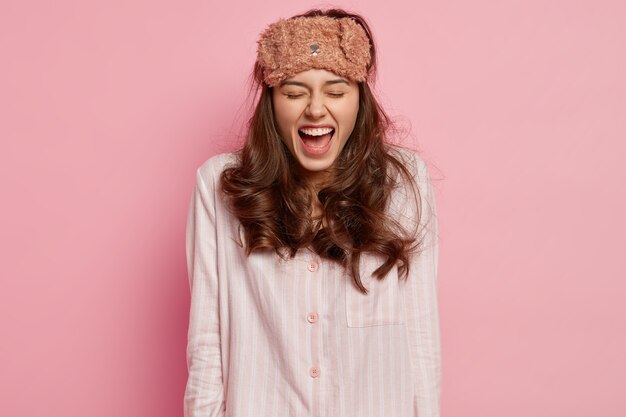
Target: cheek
x,y
286,117
349,113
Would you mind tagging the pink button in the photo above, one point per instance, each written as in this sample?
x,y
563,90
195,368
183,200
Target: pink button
x,y
314,371
313,265
312,317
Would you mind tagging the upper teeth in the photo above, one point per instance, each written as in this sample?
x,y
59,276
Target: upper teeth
x,y
317,132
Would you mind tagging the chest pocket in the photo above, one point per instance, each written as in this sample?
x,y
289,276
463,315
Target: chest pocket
x,y
382,305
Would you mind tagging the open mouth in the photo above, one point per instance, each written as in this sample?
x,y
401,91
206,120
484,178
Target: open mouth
x,y
316,141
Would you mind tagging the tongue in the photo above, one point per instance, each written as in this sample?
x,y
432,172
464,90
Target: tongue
x,y
316,141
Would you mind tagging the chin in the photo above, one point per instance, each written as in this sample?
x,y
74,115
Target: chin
x,y
315,166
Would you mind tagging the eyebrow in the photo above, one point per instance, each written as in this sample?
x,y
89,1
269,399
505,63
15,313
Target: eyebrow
x,y
301,84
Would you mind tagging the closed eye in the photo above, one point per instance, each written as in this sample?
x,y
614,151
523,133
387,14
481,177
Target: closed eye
x,y
295,96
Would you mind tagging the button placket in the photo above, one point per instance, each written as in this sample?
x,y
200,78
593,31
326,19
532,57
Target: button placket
x,y
312,317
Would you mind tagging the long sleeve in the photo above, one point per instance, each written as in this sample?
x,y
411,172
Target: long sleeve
x,y
421,305
204,393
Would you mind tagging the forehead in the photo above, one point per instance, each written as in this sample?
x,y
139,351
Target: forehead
x,y
316,77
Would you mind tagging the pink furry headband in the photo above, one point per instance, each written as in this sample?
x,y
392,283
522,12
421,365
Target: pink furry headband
x,y
290,46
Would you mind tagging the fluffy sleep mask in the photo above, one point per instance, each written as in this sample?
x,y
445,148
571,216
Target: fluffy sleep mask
x,y
290,46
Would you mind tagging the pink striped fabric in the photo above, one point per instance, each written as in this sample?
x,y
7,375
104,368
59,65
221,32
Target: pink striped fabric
x,y
292,338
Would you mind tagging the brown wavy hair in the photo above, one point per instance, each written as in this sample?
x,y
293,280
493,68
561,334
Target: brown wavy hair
x,y
273,203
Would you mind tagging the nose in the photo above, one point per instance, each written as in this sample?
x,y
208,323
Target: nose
x,y
316,107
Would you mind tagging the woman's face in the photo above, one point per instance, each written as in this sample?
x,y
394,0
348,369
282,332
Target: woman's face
x,y
315,112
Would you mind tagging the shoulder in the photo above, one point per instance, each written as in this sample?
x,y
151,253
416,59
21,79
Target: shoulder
x,y
209,171
414,163
412,200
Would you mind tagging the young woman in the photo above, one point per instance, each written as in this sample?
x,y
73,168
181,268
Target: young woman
x,y
312,251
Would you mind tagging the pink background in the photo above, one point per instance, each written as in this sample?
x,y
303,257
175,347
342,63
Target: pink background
x,y
107,109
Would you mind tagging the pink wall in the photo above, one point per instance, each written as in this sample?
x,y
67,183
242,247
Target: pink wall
x,y
106,110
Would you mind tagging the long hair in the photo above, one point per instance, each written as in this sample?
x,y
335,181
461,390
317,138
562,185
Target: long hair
x,y
273,203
